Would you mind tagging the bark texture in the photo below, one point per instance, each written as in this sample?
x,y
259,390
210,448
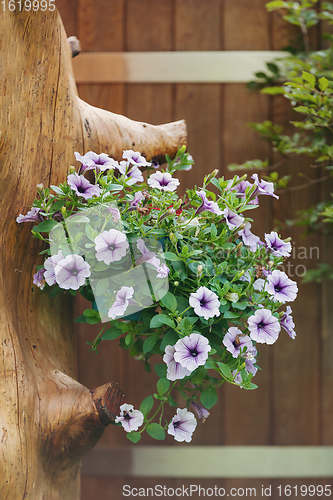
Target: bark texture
x,y
48,420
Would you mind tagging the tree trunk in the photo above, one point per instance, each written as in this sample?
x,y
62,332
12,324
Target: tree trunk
x,y
48,420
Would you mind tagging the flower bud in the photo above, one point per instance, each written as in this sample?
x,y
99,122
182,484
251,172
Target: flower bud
x,y
176,283
182,149
72,169
173,239
63,211
199,270
212,175
179,319
270,263
40,188
233,297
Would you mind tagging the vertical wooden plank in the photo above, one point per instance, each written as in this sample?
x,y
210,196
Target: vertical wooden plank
x,y
297,398
198,27
101,25
68,12
248,415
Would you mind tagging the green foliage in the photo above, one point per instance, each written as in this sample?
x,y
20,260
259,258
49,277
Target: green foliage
x,y
305,78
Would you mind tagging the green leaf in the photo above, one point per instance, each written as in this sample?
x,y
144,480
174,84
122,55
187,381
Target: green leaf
x,y
57,189
170,256
102,286
134,436
111,333
225,370
160,320
161,370
198,375
172,402
80,319
169,339
155,431
216,183
169,301
46,226
323,83
113,187
213,231
230,315
308,77
208,398
90,313
163,385
147,405
149,343
80,219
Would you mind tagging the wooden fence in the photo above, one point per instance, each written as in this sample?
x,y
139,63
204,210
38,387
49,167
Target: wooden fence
x,y
294,403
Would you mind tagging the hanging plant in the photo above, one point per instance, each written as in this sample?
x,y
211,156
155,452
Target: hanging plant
x,y
181,278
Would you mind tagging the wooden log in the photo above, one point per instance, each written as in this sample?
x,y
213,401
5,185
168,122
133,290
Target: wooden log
x,y
48,420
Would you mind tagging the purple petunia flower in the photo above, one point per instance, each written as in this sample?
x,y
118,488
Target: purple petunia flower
x,y
138,197
135,158
32,216
249,357
278,247
175,370
162,271
210,206
82,186
264,187
132,173
264,327
192,351
163,181
129,418
233,220
281,287
115,213
205,303
111,246
287,323
201,412
50,264
121,303
249,239
182,425
71,272
235,341
39,278
92,161
147,255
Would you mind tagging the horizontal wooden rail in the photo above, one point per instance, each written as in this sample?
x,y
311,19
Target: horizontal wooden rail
x,y
171,67
215,462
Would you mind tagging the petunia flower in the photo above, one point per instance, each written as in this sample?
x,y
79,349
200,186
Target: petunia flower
x,y
182,425
32,216
233,220
264,327
114,211
263,187
135,158
192,351
249,239
250,359
71,272
287,323
39,279
278,247
147,255
92,161
282,288
121,303
50,264
129,418
162,271
235,341
132,173
201,412
138,197
82,186
205,303
163,181
111,246
175,371
207,205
